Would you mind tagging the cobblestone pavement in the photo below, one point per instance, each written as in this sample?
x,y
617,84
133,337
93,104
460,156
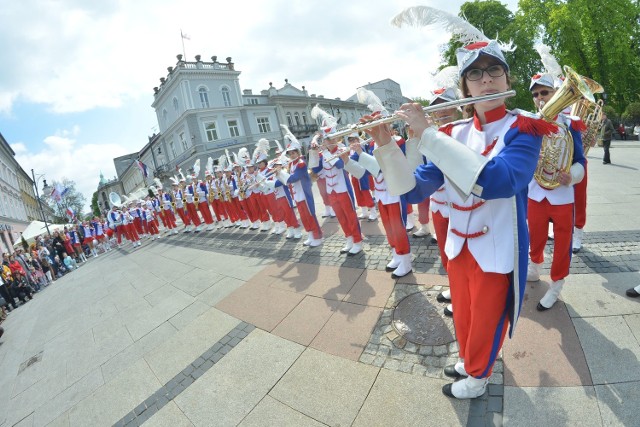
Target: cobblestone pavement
x,y
602,252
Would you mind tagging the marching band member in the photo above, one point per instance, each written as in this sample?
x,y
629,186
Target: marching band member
x,y
168,217
99,232
338,184
299,182
553,205
393,209
264,196
190,194
178,199
223,207
321,182
241,183
115,223
202,188
137,222
486,163
361,186
130,229
238,215
76,242
282,207
88,232
148,216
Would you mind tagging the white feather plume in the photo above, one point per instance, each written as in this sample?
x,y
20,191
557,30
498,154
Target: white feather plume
x,y
423,16
262,148
326,118
244,155
548,60
446,78
287,133
157,182
280,149
196,167
222,161
365,96
209,165
181,174
236,160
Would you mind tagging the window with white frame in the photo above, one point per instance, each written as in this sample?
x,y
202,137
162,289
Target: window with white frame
x,y
172,147
183,141
175,104
226,97
297,117
234,130
289,120
204,97
263,124
165,118
211,130
253,101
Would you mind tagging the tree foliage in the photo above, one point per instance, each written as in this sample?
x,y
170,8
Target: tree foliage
x,y
71,199
598,39
94,204
632,113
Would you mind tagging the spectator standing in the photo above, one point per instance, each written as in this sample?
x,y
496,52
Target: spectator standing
x,y
607,134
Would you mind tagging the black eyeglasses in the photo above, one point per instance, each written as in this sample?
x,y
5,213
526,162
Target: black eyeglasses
x,y
493,71
541,93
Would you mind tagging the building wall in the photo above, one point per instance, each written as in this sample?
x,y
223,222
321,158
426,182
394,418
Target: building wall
x,y
13,214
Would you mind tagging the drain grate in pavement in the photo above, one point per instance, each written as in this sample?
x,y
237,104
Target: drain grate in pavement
x,y
418,319
30,361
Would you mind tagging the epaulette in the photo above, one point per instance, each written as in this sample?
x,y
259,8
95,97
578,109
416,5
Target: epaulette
x,y
532,124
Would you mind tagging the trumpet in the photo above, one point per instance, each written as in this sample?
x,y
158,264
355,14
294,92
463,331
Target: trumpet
x,y
443,106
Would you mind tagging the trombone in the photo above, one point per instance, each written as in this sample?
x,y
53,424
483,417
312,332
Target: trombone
x,y
443,106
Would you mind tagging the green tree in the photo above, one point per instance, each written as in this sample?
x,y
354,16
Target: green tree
x,y
495,20
94,204
71,199
632,113
598,39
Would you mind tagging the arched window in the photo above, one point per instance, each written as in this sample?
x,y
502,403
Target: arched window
x,y
226,97
297,117
175,104
304,118
204,97
289,120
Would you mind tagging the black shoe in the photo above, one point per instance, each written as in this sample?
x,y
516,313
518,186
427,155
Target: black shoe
x,y
446,390
575,250
632,293
541,307
433,241
448,312
441,298
606,163
450,371
395,276
389,269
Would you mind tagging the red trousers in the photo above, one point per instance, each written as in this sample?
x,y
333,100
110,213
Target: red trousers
x,y
539,214
193,214
322,188
218,209
120,230
363,197
287,213
441,226
242,214
309,221
163,219
481,312
277,214
137,222
346,214
132,232
230,209
184,216
203,206
248,208
580,197
264,209
423,211
152,227
169,219
394,227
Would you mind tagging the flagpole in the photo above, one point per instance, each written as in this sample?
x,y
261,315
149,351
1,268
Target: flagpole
x,y
184,53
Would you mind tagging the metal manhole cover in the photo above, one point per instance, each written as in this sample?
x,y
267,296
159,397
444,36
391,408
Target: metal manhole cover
x,y
419,319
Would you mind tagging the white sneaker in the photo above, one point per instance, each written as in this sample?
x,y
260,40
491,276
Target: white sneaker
x,y
405,267
280,228
315,243
332,213
308,241
290,233
533,271
551,296
410,222
423,231
373,214
577,240
395,261
210,227
297,233
347,246
364,213
266,226
468,388
255,225
355,249
327,212
199,228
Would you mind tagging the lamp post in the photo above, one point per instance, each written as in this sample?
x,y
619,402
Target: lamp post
x,y
44,188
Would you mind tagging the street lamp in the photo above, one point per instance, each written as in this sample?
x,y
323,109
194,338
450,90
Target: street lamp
x,y
47,190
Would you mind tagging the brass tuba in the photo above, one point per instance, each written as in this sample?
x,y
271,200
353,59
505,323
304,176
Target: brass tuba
x,y
556,154
591,115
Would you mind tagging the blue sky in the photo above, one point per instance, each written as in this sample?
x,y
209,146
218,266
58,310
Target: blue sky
x,y
77,81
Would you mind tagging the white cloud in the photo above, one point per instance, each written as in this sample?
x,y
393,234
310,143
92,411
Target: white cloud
x,y
67,157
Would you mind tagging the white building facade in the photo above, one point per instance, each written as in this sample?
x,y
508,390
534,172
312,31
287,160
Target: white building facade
x,y
13,214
